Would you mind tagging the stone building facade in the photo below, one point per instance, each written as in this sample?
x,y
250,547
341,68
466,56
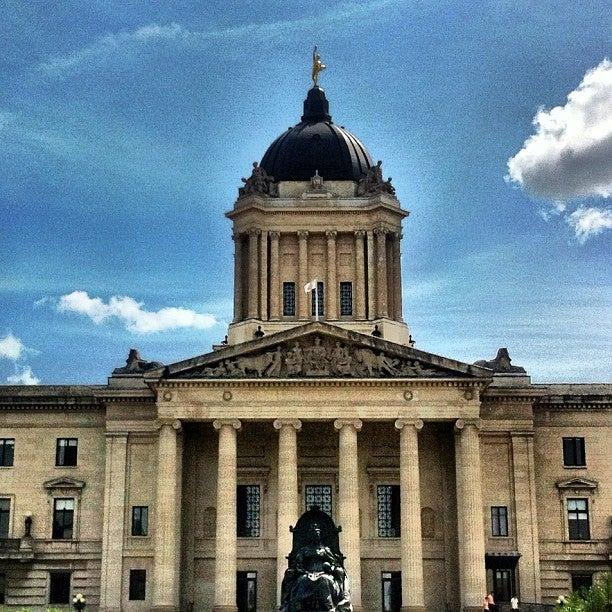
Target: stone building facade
x,y
173,487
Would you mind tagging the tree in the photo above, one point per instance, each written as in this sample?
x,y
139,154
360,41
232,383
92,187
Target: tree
x,y
596,599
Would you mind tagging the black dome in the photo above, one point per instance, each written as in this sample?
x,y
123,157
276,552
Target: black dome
x,y
316,144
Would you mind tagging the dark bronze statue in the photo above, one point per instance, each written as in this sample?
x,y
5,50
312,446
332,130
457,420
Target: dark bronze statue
x,y
315,580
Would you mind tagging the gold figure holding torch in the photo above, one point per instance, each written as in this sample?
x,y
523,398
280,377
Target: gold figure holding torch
x,y
317,67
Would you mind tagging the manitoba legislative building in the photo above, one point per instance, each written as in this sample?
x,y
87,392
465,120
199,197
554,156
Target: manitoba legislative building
x,y
190,486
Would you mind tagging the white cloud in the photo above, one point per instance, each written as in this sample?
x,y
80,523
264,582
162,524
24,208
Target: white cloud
x,y
570,154
11,347
124,44
24,377
590,221
131,313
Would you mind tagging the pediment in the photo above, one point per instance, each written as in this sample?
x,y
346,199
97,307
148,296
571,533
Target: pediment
x,y
63,483
577,484
320,350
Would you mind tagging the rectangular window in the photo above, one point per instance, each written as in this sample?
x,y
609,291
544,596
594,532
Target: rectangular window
x,y
289,299
573,452
581,582
388,499
319,495
2,588
248,511
7,451
5,515
318,298
246,597
391,591
138,585
140,520
578,519
499,521
63,519
346,299
59,587
66,452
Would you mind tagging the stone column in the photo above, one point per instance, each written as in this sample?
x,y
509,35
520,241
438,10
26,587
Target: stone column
x,y
348,506
397,276
226,540
263,276
253,284
276,289
303,299
360,292
381,272
472,573
410,509
332,289
114,521
371,276
238,314
167,514
288,500
523,463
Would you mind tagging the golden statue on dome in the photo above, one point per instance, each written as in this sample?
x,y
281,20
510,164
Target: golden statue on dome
x,y
317,67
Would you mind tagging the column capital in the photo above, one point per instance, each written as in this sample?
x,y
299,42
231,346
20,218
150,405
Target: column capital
x,y
254,232
219,423
236,236
174,423
461,424
381,231
280,423
360,233
302,234
331,234
274,235
416,423
355,423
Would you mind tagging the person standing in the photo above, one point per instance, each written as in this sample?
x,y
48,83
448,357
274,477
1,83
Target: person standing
x,y
514,603
491,602
485,603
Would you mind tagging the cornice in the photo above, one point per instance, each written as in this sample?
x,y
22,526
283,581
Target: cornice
x,y
317,382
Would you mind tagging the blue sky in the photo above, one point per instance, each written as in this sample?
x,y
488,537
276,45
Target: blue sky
x,y
125,128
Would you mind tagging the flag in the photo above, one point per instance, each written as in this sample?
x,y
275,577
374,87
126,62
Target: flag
x,y
311,286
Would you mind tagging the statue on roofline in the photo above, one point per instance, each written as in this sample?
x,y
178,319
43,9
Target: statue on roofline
x,y
373,182
259,182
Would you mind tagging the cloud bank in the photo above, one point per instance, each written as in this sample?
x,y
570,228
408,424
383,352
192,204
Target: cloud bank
x,y
570,154
590,221
130,42
132,314
24,377
11,347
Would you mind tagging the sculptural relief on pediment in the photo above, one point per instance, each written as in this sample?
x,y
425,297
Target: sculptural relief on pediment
x,y
316,357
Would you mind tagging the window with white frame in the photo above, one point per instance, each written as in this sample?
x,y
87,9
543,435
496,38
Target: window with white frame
x,y
578,518
63,519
